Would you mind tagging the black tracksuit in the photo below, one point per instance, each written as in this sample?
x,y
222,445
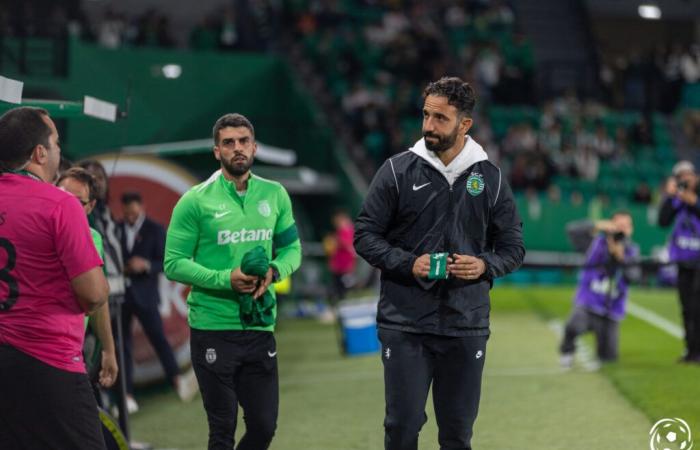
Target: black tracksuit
x,y
435,331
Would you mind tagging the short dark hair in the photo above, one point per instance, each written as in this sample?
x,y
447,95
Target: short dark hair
x,y
459,93
234,120
21,130
131,197
83,176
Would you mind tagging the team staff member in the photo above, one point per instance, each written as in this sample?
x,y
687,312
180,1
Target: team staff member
x,y
443,195
50,276
81,184
682,209
212,227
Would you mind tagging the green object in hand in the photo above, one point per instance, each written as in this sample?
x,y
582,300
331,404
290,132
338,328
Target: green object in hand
x,y
256,312
438,266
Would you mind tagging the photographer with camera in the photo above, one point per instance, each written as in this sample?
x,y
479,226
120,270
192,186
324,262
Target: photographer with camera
x,y
602,292
681,208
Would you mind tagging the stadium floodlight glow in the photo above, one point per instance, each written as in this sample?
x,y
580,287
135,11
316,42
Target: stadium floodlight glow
x,y
172,71
649,11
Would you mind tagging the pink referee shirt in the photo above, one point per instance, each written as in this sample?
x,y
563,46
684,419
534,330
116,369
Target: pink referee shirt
x,y
45,242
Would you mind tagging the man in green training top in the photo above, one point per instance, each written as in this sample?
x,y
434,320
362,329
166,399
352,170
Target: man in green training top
x,y
220,241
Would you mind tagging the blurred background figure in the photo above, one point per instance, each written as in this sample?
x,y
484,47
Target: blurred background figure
x,y
143,246
680,208
599,302
341,256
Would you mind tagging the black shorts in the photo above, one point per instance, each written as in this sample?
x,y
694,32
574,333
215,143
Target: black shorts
x,y
42,407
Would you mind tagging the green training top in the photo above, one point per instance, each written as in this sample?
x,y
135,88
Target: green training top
x,y
211,228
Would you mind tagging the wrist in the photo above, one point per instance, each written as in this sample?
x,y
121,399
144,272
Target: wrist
x,y
275,274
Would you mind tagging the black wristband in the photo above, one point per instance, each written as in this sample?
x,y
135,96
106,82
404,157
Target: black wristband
x,y
275,274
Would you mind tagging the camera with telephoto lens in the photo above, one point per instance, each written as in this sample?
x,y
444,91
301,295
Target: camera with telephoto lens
x,y
618,236
682,185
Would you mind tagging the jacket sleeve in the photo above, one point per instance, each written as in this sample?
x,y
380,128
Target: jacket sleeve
x,y
156,259
667,212
180,245
580,233
372,225
286,239
598,251
505,236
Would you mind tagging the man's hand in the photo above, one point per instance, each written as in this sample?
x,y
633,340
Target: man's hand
x,y
606,226
109,370
688,196
616,249
240,282
671,187
466,267
264,284
137,265
421,268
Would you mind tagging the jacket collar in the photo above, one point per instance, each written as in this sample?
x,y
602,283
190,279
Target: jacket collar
x,y
470,154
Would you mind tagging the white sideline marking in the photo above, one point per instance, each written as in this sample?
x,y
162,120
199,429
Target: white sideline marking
x,y
655,320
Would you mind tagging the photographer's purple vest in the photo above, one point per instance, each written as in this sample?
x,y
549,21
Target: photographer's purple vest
x,y
685,238
595,292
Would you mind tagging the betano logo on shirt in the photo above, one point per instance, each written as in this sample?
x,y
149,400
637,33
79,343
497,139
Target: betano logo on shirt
x,y
225,237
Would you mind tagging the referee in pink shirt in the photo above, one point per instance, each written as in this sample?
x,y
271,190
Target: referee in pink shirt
x,y
50,276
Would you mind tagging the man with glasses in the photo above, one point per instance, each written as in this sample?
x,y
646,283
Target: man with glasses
x,y
81,184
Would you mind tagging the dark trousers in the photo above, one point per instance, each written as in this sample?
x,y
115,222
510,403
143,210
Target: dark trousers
x,y
232,368
412,362
42,407
607,333
689,292
149,317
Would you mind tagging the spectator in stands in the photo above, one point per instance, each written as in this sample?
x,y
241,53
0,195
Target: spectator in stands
x,y
599,303
601,143
641,133
680,208
587,163
642,193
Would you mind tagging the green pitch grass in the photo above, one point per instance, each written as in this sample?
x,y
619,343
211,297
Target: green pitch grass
x,y
329,402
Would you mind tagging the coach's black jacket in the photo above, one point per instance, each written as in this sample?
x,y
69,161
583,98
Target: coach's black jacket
x,y
411,210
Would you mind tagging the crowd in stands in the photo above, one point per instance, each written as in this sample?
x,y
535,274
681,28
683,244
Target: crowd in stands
x,y
651,81
375,57
376,60
149,29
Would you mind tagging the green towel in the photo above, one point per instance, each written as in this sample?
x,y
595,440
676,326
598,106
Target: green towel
x,y
256,312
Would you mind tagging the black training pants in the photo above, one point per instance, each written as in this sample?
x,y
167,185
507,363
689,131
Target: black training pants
x,y
689,292
412,362
43,407
232,368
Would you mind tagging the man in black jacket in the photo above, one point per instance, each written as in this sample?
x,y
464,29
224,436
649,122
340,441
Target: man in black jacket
x,y
143,246
440,203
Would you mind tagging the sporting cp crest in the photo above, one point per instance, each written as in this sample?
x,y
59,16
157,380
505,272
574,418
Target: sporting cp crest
x,y
210,356
475,184
264,208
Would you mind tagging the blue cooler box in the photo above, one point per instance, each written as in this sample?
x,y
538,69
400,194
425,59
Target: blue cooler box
x,y
358,325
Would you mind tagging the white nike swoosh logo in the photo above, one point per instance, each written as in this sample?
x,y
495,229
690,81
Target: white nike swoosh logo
x,y
271,354
220,215
416,188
